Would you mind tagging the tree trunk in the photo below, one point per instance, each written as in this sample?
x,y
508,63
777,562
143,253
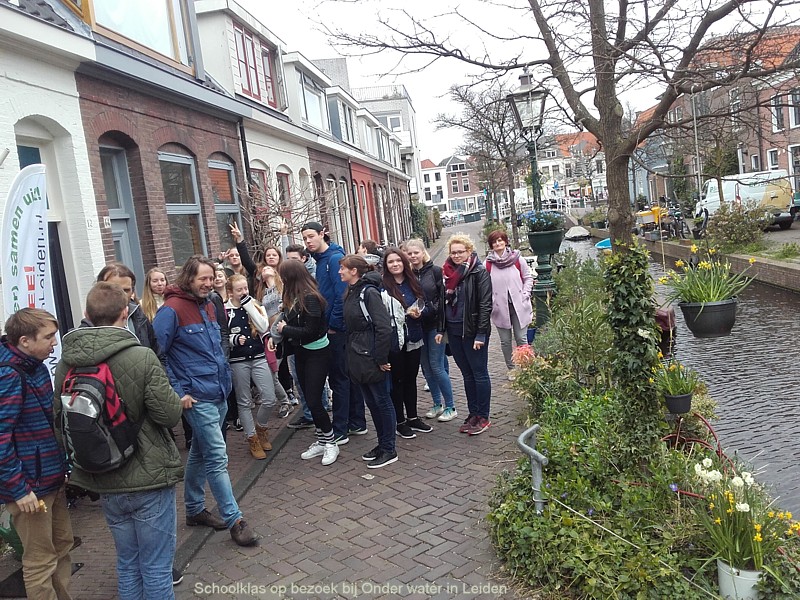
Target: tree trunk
x,y
620,216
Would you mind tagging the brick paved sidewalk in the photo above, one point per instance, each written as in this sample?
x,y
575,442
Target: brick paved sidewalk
x,y
414,529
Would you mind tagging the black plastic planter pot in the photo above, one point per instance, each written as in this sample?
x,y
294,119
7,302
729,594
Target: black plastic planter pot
x,y
678,405
709,319
545,242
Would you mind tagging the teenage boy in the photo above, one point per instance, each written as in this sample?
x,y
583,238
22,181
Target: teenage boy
x,y
348,405
138,498
32,466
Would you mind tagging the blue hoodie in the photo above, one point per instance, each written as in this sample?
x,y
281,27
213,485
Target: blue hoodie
x,y
331,285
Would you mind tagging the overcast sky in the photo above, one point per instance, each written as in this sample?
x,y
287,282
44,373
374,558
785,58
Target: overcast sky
x,y
289,20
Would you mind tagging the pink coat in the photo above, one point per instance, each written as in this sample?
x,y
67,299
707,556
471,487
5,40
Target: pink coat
x,y
517,284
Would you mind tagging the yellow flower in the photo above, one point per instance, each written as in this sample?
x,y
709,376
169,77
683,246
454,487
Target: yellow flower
x,y
757,527
757,537
679,263
712,250
704,264
651,380
694,248
718,521
673,367
662,281
729,511
711,507
752,260
660,354
771,514
788,515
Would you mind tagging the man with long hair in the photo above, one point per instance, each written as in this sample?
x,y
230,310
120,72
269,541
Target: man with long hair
x,y
189,334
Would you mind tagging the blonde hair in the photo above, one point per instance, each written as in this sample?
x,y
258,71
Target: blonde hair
x,y
419,245
463,239
149,303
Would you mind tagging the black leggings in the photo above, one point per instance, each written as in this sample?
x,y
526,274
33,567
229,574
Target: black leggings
x,y
312,370
405,367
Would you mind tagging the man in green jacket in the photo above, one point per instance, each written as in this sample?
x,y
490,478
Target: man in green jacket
x,y
138,498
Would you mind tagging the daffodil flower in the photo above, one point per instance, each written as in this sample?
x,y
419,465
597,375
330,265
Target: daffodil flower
x,y
694,248
752,260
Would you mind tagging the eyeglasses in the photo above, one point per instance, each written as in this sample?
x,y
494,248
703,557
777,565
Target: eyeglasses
x,y
457,252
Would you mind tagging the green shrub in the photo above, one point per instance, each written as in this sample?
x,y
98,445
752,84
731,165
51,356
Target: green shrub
x,y
786,251
564,551
735,226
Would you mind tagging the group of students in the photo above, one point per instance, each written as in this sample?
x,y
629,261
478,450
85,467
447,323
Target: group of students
x,y
362,323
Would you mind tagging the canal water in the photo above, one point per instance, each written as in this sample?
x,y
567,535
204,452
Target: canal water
x,y
752,374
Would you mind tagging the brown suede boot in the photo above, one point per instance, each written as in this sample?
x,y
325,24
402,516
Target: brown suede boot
x,y
255,448
263,438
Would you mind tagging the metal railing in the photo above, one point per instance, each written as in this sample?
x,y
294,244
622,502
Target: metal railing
x,y
527,443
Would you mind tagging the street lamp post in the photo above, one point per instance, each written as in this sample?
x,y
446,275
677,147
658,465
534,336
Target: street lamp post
x,y
527,106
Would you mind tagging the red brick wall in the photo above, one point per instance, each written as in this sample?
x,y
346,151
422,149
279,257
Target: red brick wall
x,y
149,124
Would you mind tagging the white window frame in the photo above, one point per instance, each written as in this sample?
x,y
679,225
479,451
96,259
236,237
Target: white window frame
x,y
776,113
194,208
465,185
454,186
234,209
772,159
309,86
794,108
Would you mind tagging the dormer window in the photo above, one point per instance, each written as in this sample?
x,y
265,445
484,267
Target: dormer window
x,y
246,56
158,25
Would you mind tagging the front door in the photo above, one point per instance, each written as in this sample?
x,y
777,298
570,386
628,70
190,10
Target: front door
x,y
119,199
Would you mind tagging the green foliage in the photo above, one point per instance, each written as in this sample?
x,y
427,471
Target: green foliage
x,y
631,315
734,226
785,585
680,182
721,160
565,550
706,280
786,251
437,221
673,379
419,220
491,226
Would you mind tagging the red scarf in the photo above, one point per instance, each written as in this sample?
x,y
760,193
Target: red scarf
x,y
454,274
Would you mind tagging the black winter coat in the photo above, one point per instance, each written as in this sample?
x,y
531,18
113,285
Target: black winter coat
x,y
477,303
368,344
432,282
306,326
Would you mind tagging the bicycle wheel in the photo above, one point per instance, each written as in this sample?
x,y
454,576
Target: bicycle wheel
x,y
684,231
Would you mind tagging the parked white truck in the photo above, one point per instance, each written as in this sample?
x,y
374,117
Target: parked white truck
x,y
770,190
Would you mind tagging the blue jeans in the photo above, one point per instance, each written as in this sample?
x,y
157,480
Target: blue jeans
x,y
348,403
144,527
376,395
208,460
436,370
474,367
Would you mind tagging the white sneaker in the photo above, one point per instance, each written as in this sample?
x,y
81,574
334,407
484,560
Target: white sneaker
x,y
330,453
315,449
448,415
434,412
427,388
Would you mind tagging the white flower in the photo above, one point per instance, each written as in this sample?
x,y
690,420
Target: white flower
x,y
707,462
644,333
737,482
698,470
743,507
714,476
748,478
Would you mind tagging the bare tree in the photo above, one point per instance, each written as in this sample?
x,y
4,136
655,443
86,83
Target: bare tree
x,y
592,53
491,136
268,207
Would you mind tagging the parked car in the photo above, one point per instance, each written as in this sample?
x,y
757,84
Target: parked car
x,y
769,190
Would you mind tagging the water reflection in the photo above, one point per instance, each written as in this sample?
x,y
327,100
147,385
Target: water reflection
x,y
751,375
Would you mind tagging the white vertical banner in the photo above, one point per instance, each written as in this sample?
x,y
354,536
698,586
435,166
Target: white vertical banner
x,y
24,239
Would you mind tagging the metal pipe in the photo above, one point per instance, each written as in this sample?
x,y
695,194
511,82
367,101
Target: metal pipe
x,y
538,460
696,143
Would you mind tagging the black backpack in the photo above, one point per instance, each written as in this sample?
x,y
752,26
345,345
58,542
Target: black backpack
x,y
98,435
